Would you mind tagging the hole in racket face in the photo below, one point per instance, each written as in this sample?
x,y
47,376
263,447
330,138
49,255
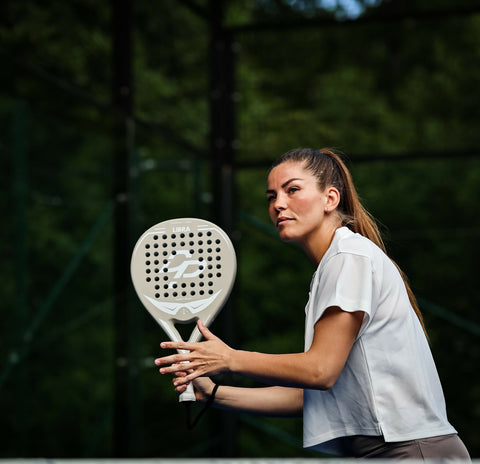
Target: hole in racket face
x,y
185,267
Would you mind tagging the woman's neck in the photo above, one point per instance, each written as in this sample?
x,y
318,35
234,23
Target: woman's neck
x,y
317,245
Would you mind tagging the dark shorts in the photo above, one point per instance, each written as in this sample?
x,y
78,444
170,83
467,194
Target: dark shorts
x,y
442,447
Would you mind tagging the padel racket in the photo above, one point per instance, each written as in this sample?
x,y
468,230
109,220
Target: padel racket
x,y
183,270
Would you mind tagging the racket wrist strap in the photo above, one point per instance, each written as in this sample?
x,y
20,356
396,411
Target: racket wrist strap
x,y
211,398
208,403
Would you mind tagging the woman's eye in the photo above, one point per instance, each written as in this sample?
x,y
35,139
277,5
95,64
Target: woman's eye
x,y
270,198
293,189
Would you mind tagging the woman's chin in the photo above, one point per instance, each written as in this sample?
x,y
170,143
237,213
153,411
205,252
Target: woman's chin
x,y
284,237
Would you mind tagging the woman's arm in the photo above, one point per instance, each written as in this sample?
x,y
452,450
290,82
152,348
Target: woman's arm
x,y
266,401
318,368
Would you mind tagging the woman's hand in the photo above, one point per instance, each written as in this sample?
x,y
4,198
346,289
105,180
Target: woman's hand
x,y
206,358
202,386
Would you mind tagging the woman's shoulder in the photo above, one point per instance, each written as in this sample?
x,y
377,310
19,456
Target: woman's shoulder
x,y
347,241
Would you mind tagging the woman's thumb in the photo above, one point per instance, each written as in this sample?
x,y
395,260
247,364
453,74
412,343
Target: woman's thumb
x,y
204,330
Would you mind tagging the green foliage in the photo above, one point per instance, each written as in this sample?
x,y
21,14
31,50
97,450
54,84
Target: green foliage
x,y
374,90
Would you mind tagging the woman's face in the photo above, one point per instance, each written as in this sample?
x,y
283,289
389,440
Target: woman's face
x,y
296,204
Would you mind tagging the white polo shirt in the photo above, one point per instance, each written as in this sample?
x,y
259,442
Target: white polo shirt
x,y
389,385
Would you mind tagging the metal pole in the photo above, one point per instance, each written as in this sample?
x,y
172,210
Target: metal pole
x,y
222,150
122,12
20,193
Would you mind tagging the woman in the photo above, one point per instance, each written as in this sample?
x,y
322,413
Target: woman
x,y
366,384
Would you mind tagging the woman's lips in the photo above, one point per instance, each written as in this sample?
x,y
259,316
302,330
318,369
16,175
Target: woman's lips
x,y
282,221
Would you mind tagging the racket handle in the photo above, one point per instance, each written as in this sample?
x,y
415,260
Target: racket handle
x,y
188,394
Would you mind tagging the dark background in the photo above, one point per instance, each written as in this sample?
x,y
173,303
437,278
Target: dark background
x,y
117,115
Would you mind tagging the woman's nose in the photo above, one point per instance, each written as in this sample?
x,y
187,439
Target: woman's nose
x,y
279,203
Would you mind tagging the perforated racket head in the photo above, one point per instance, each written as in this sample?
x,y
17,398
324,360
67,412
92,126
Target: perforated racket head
x,y
183,270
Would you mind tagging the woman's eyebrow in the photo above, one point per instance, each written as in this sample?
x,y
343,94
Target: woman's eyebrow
x,y
293,179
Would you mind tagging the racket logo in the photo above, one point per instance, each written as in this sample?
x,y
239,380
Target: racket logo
x,y
180,229
181,268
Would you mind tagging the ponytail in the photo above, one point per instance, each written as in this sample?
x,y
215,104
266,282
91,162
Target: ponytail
x,y
329,169
352,212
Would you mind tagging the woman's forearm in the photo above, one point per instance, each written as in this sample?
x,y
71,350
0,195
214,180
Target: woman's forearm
x,y
266,401
297,370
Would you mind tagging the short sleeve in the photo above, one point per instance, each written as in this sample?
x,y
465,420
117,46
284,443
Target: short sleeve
x,y
346,281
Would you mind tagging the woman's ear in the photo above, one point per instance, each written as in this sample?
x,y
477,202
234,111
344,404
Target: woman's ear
x,y
332,198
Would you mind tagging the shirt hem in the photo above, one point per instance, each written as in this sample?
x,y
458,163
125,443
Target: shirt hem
x,y
322,439
318,441
417,435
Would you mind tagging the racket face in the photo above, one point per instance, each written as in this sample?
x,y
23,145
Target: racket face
x,y
183,270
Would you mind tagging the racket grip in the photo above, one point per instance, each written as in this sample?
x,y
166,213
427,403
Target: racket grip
x,y
188,394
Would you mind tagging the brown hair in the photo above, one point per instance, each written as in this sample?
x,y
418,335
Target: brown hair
x,y
330,170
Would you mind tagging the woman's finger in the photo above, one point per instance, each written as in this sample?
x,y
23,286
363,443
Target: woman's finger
x,y
174,368
173,359
181,388
205,331
169,345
